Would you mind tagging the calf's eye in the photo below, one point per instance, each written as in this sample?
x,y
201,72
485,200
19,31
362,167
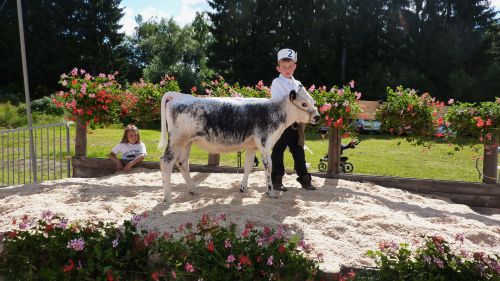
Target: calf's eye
x,y
304,104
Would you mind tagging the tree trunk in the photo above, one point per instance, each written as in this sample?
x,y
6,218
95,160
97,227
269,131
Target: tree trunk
x,y
334,142
81,139
490,161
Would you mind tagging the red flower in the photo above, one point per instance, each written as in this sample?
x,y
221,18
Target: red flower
x,y
109,275
68,268
157,274
74,82
244,260
49,227
12,234
437,239
480,122
338,123
204,219
281,248
194,89
210,246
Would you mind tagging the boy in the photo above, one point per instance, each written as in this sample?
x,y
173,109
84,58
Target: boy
x,y
281,87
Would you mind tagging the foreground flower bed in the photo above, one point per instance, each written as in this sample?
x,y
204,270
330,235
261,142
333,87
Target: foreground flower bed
x,y
431,258
50,248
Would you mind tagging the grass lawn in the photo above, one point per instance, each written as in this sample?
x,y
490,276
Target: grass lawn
x,y
375,155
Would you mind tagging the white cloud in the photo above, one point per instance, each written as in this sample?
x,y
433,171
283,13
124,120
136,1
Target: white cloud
x,y
128,21
189,9
186,15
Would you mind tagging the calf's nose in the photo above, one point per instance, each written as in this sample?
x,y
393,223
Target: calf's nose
x,y
316,118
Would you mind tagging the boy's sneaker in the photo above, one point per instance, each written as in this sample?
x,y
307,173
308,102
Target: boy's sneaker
x,y
305,182
278,184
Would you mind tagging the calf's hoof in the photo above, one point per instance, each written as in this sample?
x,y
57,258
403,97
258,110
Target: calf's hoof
x,y
272,194
242,189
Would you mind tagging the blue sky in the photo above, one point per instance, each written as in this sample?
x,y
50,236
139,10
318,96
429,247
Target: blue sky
x,y
183,11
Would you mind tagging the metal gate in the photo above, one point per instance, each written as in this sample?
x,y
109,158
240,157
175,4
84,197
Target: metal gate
x,y
51,159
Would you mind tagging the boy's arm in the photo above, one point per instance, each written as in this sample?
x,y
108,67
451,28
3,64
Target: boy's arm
x,y
276,90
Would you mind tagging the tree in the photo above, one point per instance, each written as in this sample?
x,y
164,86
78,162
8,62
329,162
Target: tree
x,y
60,35
166,48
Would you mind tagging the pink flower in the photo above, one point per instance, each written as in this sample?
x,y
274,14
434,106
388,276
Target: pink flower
x,y
351,84
451,101
74,72
227,243
312,88
47,215
325,108
270,260
230,258
340,92
438,263
76,244
189,267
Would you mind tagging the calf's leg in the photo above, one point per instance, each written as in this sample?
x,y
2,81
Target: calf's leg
x,y
167,164
249,156
183,166
266,161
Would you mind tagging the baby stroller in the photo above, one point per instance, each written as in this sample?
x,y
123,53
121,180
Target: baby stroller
x,y
345,167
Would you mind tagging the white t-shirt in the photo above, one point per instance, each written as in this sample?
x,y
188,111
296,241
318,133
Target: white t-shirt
x,y
282,86
129,151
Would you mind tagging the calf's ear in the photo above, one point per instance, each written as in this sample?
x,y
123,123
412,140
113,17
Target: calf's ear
x,y
293,95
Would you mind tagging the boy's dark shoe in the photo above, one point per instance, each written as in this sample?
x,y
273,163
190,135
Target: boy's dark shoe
x,y
305,182
278,184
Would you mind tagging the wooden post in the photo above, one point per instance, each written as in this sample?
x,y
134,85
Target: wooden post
x,y
80,139
490,161
334,141
213,159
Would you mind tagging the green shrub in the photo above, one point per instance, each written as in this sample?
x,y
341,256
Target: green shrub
x,y
44,105
407,113
338,106
91,99
220,88
9,116
433,259
478,120
50,248
142,102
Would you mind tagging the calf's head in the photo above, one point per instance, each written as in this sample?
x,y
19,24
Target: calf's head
x,y
307,113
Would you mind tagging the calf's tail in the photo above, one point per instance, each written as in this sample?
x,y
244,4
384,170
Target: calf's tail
x,y
163,141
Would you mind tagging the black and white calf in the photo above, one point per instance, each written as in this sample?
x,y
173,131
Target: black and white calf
x,y
221,125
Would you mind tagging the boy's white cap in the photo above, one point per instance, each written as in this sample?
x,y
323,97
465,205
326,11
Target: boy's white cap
x,y
287,54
